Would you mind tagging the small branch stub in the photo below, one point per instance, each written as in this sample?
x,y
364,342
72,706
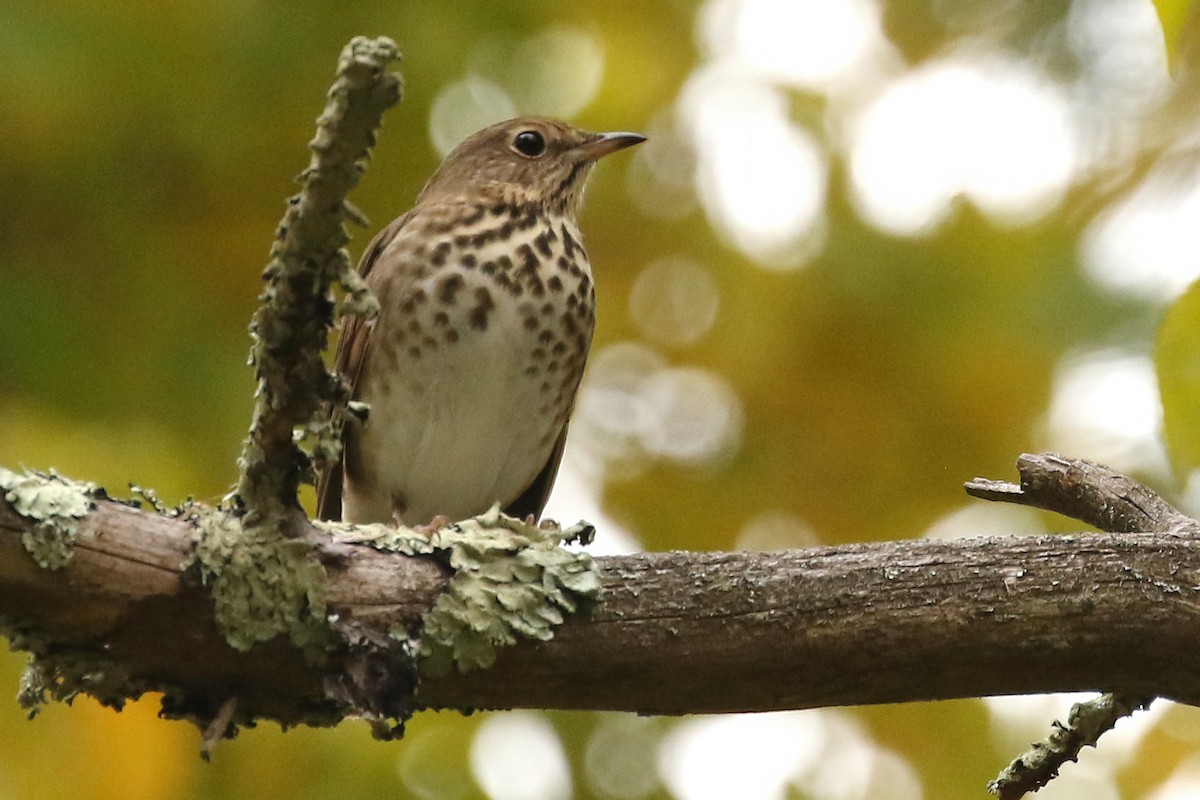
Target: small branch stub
x,y
1085,491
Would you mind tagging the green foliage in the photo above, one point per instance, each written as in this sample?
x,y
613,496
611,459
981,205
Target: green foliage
x,y
1177,361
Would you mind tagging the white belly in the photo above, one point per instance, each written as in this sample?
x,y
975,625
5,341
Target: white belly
x,y
457,425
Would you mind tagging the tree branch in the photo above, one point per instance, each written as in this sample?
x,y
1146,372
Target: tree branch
x,y
671,633
1085,491
291,327
1111,501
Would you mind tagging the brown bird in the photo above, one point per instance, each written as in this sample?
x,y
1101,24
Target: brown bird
x,y
486,316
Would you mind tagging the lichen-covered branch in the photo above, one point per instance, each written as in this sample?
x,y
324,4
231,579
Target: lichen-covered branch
x,y
123,613
290,329
669,633
254,555
1040,764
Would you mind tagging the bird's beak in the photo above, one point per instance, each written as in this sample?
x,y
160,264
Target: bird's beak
x,y
607,143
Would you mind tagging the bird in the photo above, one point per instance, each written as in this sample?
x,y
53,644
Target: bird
x,y
487,309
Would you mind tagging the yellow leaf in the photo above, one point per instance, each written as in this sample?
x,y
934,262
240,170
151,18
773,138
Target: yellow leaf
x,y
1177,361
1178,23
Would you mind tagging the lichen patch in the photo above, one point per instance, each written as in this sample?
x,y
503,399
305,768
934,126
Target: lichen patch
x,y
56,504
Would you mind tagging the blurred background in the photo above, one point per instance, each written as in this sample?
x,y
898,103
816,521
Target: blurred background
x,y
873,249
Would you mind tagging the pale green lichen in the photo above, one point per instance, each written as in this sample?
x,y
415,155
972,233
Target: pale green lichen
x,y
60,672
263,584
65,676
511,581
1086,722
56,505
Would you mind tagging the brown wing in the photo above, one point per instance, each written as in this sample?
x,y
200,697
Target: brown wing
x,y
533,499
348,361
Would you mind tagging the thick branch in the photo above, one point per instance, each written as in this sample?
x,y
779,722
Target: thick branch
x,y
672,632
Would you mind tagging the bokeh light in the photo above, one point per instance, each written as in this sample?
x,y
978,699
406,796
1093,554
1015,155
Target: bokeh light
x,y
1105,407
553,73
1148,245
674,301
802,42
517,755
760,177
635,406
767,756
465,107
620,756
776,530
1181,783
994,132
987,519
750,756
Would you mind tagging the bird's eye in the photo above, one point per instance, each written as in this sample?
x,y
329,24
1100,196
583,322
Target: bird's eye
x,y
530,144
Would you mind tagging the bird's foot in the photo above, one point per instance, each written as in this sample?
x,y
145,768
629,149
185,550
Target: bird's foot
x,y
433,526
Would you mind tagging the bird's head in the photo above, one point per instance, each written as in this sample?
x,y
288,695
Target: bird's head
x,y
526,161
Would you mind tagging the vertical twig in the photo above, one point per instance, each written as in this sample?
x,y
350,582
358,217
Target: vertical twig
x,y
291,327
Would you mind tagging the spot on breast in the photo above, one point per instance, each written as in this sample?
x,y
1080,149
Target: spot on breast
x,y
528,259
569,243
440,253
478,316
449,288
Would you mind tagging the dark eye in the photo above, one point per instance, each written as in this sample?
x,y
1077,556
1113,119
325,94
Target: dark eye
x,y
530,144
